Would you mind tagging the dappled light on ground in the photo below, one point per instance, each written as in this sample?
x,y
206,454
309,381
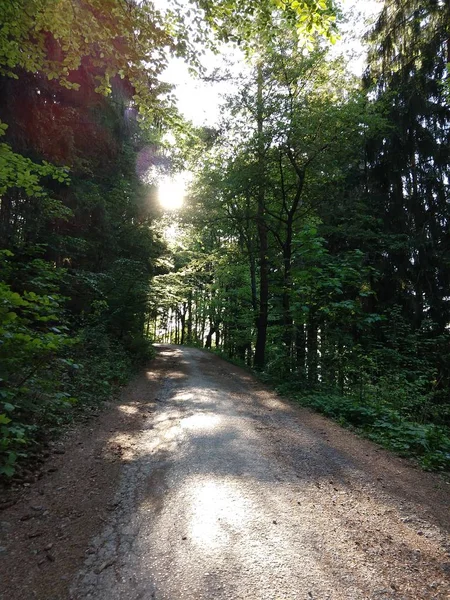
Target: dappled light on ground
x,y
217,507
128,409
206,422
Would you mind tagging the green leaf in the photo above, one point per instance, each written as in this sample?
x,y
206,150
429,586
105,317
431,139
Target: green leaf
x,y
7,470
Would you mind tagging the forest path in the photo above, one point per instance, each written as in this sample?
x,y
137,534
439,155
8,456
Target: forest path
x,y
201,484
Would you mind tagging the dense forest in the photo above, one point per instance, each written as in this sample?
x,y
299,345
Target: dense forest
x,y
313,245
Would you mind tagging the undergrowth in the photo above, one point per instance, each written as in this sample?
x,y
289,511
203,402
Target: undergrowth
x,y
55,361
62,392
428,443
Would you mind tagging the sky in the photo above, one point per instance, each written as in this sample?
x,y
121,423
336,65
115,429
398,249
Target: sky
x,y
199,101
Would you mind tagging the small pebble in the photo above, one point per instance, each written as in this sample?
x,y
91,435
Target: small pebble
x,y
26,517
105,565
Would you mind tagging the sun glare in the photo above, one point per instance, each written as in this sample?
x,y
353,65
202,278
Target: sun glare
x,y
171,191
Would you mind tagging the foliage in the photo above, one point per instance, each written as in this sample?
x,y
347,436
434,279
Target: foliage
x,y
250,22
117,38
78,254
31,335
48,367
18,171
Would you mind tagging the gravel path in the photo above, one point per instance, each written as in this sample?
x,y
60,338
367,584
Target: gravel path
x,y
218,489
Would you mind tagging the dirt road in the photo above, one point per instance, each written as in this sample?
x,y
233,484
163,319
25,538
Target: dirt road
x,y
201,484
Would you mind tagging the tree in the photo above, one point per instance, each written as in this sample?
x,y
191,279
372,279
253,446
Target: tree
x,y
299,114
408,166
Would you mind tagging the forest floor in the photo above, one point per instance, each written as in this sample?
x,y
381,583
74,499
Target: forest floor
x,y
202,484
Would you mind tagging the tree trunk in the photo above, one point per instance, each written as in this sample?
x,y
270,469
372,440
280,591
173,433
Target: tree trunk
x,y
288,321
203,325
208,341
300,349
312,349
183,323
189,318
262,318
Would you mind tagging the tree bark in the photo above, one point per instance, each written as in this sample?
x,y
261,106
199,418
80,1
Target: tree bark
x,y
300,349
189,318
262,317
312,347
208,341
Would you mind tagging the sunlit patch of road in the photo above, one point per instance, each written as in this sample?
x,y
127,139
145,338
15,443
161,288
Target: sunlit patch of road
x,y
231,495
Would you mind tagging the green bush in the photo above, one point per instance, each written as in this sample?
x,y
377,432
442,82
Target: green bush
x,y
50,366
32,336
